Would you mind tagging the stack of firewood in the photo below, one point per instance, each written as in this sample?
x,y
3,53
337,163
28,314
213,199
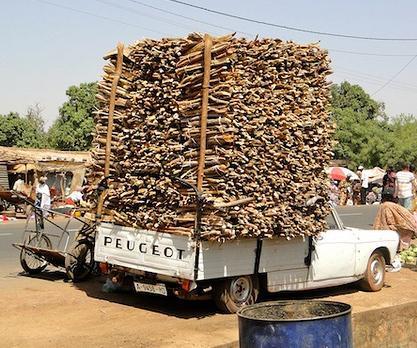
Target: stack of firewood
x,y
268,137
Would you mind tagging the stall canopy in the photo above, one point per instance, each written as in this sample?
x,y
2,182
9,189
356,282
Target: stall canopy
x,y
341,173
375,175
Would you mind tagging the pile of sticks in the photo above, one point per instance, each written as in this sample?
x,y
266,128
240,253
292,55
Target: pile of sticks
x,y
245,122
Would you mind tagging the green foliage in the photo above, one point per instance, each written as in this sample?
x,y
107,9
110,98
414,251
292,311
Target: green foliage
x,y
353,97
364,133
72,130
22,131
403,131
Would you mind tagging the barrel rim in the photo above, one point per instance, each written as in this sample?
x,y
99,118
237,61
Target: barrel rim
x,y
241,314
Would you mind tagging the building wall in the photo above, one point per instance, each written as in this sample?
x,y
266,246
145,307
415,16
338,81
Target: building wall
x,y
4,178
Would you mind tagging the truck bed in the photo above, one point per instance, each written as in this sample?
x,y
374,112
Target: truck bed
x,y
177,256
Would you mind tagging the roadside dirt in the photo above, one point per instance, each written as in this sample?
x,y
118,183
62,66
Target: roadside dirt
x,y
48,312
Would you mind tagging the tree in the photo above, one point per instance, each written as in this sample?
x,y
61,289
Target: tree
x,y
353,97
403,134
22,131
34,115
362,133
73,128
365,135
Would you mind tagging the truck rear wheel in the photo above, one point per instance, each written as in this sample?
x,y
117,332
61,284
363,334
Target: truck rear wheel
x,y
375,273
79,261
232,294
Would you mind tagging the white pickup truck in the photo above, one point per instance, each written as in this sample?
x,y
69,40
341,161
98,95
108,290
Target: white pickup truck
x,y
235,271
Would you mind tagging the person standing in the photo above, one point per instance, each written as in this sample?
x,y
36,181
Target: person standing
x,y
364,183
388,185
334,193
344,191
43,195
356,192
405,185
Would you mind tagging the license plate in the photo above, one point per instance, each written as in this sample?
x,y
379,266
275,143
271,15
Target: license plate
x,y
159,289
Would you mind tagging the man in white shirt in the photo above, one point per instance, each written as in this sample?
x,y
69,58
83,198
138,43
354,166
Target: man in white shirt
x,y
43,194
405,185
364,184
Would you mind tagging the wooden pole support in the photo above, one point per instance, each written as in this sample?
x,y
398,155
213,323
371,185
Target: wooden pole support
x,y
208,43
118,72
119,64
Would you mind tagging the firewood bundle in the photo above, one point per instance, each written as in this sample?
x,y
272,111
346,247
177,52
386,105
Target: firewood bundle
x,y
255,146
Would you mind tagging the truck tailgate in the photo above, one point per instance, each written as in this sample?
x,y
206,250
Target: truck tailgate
x,y
150,251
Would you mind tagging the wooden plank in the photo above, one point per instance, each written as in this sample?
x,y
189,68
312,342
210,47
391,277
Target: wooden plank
x,y
116,78
119,65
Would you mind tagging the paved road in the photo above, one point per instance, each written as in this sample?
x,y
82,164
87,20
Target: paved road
x,y
360,216
10,232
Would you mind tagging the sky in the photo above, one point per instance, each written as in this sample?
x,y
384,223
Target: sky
x,y
49,45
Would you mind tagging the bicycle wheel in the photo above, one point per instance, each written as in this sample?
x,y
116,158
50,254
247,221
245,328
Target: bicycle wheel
x,y
31,263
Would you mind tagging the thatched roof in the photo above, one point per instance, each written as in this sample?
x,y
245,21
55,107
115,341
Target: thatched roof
x,y
15,155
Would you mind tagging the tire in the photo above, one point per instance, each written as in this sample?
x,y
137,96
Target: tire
x,y
374,276
232,294
30,262
79,260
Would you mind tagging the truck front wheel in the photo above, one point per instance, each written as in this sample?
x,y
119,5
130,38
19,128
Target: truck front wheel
x,y
375,273
232,294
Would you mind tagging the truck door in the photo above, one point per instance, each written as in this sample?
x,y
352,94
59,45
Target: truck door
x,y
284,263
334,251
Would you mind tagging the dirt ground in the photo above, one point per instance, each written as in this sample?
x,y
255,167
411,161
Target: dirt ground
x,y
48,312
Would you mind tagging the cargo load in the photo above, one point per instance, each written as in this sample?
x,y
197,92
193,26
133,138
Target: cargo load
x,y
238,127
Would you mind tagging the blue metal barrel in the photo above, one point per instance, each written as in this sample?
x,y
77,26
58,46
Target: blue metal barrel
x,y
296,324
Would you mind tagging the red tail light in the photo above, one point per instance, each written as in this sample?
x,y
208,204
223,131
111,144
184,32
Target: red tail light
x,y
104,267
186,284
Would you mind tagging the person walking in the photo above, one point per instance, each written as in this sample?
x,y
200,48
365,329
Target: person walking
x,y
405,185
364,183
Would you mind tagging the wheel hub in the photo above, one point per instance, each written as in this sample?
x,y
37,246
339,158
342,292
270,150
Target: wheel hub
x,y
376,271
240,289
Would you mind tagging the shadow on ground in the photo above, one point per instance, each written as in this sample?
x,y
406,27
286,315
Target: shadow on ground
x,y
173,306
51,275
411,267
170,305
